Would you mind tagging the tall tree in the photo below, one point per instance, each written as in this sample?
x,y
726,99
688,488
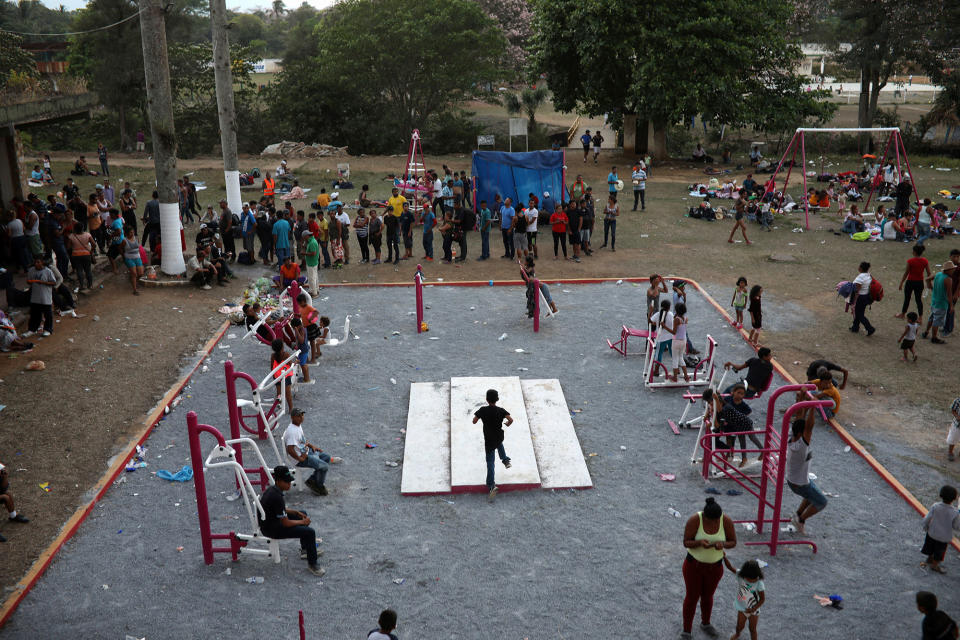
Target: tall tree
x,y
14,59
357,55
625,57
882,35
515,18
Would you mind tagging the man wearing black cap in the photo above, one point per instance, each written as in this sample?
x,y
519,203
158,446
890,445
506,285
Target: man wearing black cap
x,y
280,523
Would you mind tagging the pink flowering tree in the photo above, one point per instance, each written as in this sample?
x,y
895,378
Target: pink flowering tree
x,y
515,18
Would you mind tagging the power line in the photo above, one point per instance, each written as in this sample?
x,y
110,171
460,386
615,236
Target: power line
x,y
74,33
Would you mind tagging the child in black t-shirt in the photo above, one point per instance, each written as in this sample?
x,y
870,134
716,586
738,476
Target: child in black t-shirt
x,y
493,417
936,625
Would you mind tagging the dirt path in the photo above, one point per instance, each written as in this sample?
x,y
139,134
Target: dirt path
x,y
63,424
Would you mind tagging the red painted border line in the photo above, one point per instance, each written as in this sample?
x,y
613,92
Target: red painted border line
x,y
106,481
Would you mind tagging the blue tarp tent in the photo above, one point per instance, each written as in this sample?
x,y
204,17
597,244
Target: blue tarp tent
x,y
516,175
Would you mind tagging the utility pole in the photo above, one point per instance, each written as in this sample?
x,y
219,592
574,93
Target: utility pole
x,y
153,36
225,108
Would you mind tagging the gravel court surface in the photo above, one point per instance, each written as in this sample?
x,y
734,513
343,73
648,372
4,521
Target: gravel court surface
x,y
534,564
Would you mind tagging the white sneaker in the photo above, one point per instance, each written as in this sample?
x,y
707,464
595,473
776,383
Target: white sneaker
x,y
45,334
207,287
27,334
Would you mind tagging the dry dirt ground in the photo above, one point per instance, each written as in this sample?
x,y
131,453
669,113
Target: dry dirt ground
x,y
65,434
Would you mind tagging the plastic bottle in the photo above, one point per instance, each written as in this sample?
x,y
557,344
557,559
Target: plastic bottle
x,y
673,512
255,580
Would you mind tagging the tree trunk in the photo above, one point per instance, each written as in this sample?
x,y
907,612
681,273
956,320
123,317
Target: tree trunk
x,y
863,105
156,70
225,105
643,136
122,123
629,133
659,150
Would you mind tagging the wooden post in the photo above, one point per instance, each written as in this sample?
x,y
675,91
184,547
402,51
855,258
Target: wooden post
x,y
156,70
225,107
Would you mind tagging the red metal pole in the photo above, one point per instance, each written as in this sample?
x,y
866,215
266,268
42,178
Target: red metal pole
x,y
536,305
232,409
909,170
873,183
303,631
780,165
418,280
803,160
793,159
200,485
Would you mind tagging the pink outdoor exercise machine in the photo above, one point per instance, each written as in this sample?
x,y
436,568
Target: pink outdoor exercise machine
x,y
539,301
224,455
798,142
773,470
418,285
702,373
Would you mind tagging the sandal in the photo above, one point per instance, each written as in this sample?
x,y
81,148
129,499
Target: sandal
x,y
938,568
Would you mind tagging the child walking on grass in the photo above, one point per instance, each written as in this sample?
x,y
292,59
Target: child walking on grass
x,y
739,301
909,337
756,315
940,522
750,596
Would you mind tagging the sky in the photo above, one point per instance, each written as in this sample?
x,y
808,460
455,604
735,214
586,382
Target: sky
x,y
238,5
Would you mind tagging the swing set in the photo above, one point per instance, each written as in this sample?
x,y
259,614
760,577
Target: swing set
x,y
798,144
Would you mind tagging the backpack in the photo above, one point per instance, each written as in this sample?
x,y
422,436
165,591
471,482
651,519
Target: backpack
x,y
876,290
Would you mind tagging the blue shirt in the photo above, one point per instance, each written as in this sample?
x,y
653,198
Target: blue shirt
x,y
428,220
36,175
548,204
116,225
506,217
281,231
612,182
485,217
585,139
447,194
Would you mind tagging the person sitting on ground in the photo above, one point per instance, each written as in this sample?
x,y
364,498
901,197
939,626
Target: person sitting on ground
x,y
6,498
936,625
279,523
699,154
8,336
219,259
528,274
759,372
755,156
289,273
201,270
306,454
295,193
80,168
387,622
853,222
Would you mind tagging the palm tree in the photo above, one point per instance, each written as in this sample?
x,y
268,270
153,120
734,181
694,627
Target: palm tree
x,y
278,8
529,100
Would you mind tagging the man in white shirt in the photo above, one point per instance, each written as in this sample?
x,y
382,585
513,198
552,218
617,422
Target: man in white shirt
x,y
532,214
639,177
306,454
862,298
437,192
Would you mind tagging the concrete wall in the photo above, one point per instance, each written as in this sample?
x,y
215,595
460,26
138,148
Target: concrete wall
x,y
11,179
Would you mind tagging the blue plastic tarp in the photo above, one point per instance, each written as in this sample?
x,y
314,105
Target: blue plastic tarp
x,y
517,175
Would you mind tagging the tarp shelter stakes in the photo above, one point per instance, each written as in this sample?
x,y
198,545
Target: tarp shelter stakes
x,y
798,143
516,175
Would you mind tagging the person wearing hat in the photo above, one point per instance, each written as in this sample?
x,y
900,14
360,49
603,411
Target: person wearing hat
x,y
307,454
7,500
547,204
281,523
942,300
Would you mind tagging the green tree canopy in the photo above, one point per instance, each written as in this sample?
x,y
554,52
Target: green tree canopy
x,y
383,68
639,58
13,59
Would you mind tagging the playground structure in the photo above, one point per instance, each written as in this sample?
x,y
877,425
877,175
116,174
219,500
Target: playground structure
x,y
798,143
702,373
620,346
414,176
224,455
418,287
703,422
536,299
772,475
